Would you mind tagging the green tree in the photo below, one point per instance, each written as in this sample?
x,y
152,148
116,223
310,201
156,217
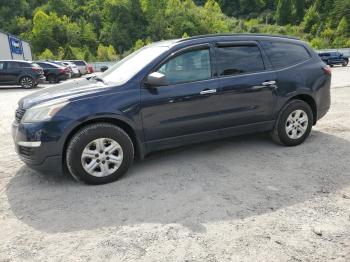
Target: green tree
x,y
46,55
299,12
311,19
284,12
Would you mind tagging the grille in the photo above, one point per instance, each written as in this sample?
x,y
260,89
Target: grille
x,y
25,151
19,114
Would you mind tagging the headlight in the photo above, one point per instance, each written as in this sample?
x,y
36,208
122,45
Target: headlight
x,y
42,112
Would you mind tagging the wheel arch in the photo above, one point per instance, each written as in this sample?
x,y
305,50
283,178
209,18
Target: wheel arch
x,y
138,147
22,76
310,101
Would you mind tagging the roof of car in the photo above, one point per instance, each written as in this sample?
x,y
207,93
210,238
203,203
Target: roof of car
x,y
218,37
9,60
237,35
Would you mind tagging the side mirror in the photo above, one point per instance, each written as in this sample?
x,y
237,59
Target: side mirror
x,y
156,79
104,68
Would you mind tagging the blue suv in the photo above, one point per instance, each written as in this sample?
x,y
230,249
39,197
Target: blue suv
x,y
173,93
334,58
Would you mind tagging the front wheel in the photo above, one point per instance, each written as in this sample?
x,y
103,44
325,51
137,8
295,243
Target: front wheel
x,y
99,153
345,63
294,124
27,82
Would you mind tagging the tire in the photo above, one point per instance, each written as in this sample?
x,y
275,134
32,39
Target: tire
x,y
297,132
345,63
52,79
27,82
87,140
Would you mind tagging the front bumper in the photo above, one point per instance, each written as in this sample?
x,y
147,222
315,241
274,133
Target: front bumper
x,y
37,147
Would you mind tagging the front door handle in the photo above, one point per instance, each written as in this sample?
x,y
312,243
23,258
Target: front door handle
x,y
208,91
269,83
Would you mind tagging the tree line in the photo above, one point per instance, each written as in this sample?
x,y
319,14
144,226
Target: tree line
x,y
108,29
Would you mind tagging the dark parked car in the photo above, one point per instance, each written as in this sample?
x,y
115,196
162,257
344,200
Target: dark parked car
x,y
170,94
334,58
26,74
54,73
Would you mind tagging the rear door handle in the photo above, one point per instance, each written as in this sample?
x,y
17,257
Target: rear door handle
x,y
208,91
269,83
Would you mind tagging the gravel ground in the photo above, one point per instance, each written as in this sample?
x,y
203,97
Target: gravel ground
x,y
238,199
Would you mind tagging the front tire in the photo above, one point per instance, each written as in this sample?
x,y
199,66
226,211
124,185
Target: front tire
x,y
27,82
99,153
294,124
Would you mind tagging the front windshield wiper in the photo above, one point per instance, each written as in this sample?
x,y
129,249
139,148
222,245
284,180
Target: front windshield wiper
x,y
98,79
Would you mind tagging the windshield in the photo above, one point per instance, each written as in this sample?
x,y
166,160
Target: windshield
x,y
127,68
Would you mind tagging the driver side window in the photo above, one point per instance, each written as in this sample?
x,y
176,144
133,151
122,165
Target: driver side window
x,y
187,67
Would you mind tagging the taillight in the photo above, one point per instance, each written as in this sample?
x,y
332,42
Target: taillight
x,y
37,70
327,70
62,70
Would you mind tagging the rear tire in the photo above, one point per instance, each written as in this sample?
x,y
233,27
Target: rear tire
x,y
294,124
52,79
99,153
27,82
345,63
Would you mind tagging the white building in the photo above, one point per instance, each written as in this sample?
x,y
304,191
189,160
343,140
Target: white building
x,y
13,48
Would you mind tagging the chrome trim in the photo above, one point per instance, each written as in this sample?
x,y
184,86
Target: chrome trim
x,y
269,83
210,91
29,144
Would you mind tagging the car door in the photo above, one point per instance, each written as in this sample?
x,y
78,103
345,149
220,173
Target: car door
x,y
189,103
11,72
2,73
247,84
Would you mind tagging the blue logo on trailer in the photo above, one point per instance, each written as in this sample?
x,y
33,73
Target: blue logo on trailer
x,y
16,45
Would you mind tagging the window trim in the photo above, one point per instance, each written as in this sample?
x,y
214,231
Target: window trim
x,y
235,44
182,51
291,65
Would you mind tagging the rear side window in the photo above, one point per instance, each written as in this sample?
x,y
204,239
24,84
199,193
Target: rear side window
x,y
235,60
12,65
23,65
79,63
285,54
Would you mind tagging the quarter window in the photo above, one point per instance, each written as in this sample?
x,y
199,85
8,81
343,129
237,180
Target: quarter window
x,y
235,60
188,67
285,54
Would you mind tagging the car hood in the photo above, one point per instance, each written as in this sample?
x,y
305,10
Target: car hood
x,y
66,91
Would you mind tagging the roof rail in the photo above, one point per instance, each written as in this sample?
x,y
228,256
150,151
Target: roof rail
x,y
236,34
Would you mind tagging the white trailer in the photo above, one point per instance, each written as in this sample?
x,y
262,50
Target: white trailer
x,y
13,48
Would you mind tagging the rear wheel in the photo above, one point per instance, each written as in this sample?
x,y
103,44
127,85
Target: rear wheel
x,y
99,153
52,79
345,63
27,82
294,124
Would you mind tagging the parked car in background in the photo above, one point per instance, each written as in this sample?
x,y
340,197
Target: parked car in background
x,y
82,66
104,68
74,68
334,58
90,69
54,73
173,93
26,74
